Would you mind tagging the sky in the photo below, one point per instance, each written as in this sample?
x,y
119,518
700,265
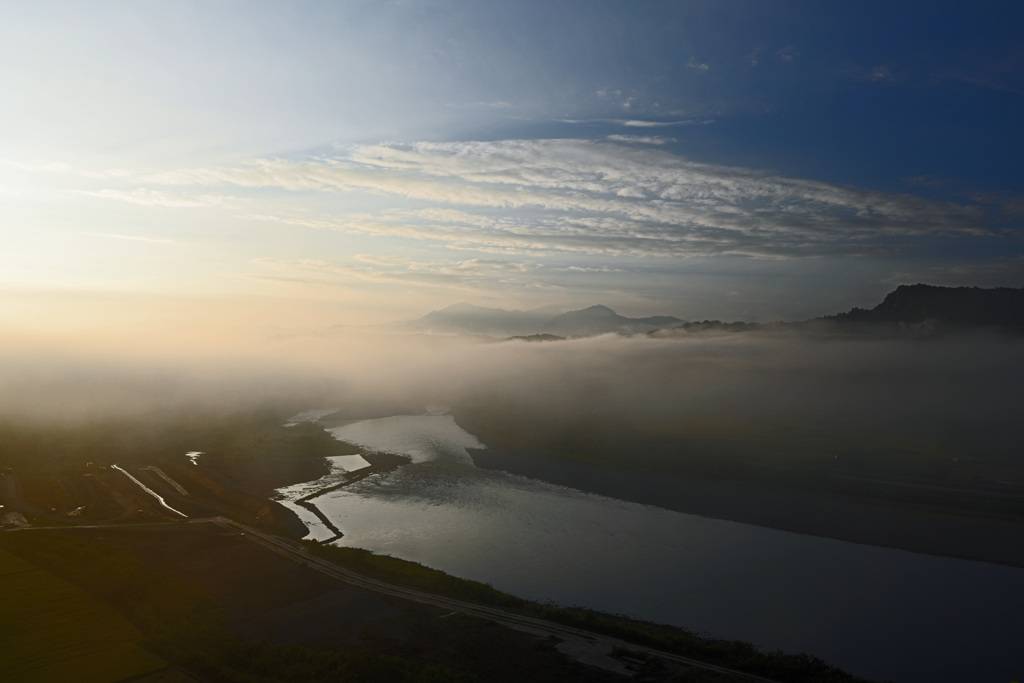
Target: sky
x,y
179,167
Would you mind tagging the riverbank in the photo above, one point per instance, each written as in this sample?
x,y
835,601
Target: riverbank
x,y
911,527
378,463
224,607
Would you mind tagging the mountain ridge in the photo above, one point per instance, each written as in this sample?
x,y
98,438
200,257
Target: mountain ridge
x,y
462,318
909,309
930,305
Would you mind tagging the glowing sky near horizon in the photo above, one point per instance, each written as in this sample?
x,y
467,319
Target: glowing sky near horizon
x,y
309,163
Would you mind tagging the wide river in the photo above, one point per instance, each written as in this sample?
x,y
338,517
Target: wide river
x,y
876,612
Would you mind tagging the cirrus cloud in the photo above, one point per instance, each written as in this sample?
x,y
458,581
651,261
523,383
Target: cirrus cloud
x,y
575,196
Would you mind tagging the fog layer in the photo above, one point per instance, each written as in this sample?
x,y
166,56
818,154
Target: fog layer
x,y
954,394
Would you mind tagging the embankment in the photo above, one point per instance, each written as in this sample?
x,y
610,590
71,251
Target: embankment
x,y
261,511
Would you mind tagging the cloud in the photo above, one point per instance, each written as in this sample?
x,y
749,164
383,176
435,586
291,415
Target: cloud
x,y
40,166
1002,76
881,73
788,54
131,238
1009,204
927,180
589,197
146,197
641,123
642,139
582,269
498,104
636,123
382,260
465,275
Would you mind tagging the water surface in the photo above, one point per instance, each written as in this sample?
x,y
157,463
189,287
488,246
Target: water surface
x,y
873,611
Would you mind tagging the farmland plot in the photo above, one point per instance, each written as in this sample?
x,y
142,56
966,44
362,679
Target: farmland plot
x,y
52,631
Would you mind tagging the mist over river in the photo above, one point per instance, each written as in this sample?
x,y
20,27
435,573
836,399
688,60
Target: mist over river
x,y
876,612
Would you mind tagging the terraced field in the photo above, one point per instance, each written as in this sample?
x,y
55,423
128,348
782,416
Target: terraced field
x,y
52,631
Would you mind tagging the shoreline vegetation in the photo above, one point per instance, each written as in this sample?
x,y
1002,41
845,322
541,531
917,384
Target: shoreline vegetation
x,y
732,653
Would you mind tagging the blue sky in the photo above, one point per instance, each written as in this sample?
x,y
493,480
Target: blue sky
x,y
307,162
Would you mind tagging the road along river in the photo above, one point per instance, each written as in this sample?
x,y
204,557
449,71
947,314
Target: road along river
x,y
877,612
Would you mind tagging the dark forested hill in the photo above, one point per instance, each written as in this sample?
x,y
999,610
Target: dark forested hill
x,y
926,305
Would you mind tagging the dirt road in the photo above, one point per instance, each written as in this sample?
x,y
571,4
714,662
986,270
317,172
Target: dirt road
x,y
585,646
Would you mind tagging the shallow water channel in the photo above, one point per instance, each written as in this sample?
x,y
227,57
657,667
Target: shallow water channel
x,y
876,612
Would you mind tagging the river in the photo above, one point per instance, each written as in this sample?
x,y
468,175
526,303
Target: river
x,y
876,612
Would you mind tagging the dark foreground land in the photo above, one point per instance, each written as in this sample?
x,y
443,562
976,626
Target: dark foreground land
x,y
214,604
219,606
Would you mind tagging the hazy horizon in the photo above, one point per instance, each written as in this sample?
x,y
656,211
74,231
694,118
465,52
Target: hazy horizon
x,y
203,171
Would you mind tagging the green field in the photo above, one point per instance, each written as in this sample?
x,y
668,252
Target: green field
x,y
53,631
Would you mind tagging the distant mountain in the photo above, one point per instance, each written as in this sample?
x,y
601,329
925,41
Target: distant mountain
x,y
915,309
465,318
719,326
909,309
537,338
603,320
926,306
497,322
